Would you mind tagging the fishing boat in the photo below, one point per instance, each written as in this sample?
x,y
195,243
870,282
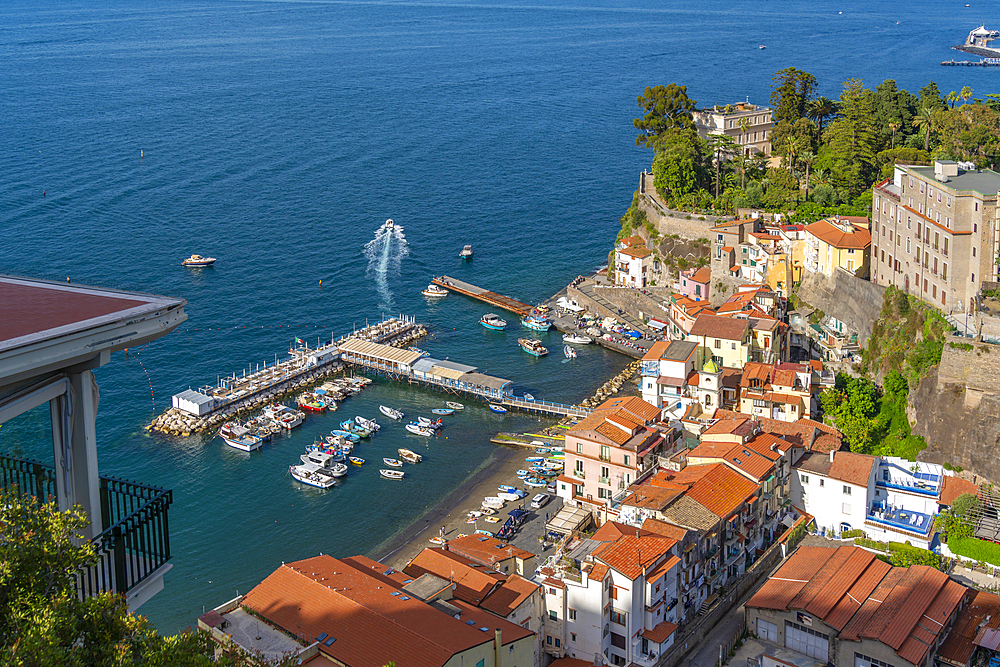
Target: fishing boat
x,y
535,482
493,321
395,463
391,474
492,519
443,411
353,427
198,261
417,429
523,473
369,424
532,347
454,405
430,423
536,322
506,488
311,402
240,437
433,290
499,409
466,252
569,352
311,474
390,412
510,496
410,456
328,462
356,460
535,459
577,339
346,435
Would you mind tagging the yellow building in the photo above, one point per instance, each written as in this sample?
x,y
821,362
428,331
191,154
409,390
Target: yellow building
x,y
834,243
728,339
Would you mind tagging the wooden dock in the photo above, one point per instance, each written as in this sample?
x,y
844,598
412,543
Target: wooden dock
x,y
492,298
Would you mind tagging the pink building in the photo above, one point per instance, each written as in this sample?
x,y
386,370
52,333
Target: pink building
x,y
696,282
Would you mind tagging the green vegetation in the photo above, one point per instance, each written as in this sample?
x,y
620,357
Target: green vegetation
x,y
980,551
903,555
958,521
832,151
796,534
43,623
848,534
634,219
907,337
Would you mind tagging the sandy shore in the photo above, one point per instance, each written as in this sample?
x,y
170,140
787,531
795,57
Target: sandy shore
x,y
453,510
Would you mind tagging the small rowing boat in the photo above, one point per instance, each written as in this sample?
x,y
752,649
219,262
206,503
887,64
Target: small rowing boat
x,y
395,463
454,405
410,456
356,460
443,411
391,474
499,409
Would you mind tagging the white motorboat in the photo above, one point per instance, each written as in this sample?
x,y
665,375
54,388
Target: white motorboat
x,y
454,405
430,423
395,463
198,260
328,464
466,252
493,502
569,352
391,474
311,474
369,424
419,430
577,339
434,291
240,437
390,412
410,456
389,224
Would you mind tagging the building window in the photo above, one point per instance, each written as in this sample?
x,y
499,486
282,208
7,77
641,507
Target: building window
x,y
847,508
605,455
553,615
973,251
579,448
572,614
847,490
607,629
618,617
627,459
548,640
572,637
603,493
861,660
718,343
822,482
805,479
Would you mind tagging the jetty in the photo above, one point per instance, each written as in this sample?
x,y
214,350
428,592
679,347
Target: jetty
x,y
492,298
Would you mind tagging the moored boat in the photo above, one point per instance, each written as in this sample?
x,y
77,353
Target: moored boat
x,y
353,427
466,252
311,474
417,429
391,474
391,413
454,405
346,435
569,352
356,460
433,290
577,339
532,347
369,424
240,437
493,321
198,260
410,456
443,411
430,423
499,409
536,322
311,402
395,463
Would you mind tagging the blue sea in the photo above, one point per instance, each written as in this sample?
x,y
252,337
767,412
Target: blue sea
x,y
279,135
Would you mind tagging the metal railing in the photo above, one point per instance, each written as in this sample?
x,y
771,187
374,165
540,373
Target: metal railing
x,y
135,539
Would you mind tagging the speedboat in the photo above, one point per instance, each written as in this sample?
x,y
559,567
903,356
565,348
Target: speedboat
x,y
434,290
395,463
369,424
410,456
569,352
198,260
466,252
577,339
356,460
430,423
390,412
240,437
454,405
311,474
391,474
529,397
416,428
532,346
493,321
499,409
327,461
388,225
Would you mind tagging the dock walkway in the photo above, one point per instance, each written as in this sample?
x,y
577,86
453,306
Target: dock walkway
x,y
492,298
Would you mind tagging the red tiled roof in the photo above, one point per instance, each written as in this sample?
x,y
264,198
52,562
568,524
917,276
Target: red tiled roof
x,y
486,550
957,649
852,468
629,554
716,487
716,326
702,275
662,569
953,487
830,234
323,594
598,571
473,582
632,404
638,253
659,634
665,529
508,596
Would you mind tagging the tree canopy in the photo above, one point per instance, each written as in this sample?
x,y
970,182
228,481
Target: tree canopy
x,y
791,91
666,108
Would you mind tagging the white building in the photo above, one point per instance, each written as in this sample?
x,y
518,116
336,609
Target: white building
x,y
835,488
632,262
665,372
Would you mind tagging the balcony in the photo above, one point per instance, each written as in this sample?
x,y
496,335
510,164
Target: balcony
x,y
579,474
133,546
604,480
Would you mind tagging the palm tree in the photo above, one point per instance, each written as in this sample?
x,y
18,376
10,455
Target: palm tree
x,y
894,126
820,108
952,97
807,158
965,93
924,120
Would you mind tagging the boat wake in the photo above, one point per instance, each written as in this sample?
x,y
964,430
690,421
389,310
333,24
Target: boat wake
x,y
385,253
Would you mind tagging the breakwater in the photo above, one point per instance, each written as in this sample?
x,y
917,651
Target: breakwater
x,y
238,396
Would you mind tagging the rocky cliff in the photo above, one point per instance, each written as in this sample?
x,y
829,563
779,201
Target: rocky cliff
x,y
853,301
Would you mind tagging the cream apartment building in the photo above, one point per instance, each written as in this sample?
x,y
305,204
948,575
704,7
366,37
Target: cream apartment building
x,y
934,232
728,120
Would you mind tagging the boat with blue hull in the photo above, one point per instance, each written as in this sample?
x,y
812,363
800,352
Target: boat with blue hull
x,y
532,347
493,321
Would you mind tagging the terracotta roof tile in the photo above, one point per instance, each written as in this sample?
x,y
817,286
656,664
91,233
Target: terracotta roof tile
x,y
511,594
852,468
832,235
632,404
598,571
473,582
638,253
486,550
665,529
958,647
953,487
702,275
717,488
658,634
716,326
630,554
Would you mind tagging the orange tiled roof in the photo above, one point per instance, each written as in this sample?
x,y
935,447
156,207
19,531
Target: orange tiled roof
x,y
630,554
832,235
665,529
702,275
718,488
632,404
486,550
613,433
473,582
958,648
508,596
953,487
716,326
661,632
597,571
852,468
636,252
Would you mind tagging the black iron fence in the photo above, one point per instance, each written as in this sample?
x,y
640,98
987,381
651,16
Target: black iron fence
x,y
135,537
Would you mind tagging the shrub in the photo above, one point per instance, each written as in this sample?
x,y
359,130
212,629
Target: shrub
x,y
848,534
974,549
871,544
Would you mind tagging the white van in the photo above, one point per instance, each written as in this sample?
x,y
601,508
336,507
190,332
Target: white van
x,y
539,500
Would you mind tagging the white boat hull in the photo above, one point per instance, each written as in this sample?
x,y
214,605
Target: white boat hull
x,y
391,474
317,479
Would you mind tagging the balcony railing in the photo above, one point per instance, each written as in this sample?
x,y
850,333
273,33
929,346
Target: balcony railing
x,y
579,473
134,541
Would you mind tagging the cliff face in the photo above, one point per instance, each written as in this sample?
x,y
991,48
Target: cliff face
x,y
956,408
853,301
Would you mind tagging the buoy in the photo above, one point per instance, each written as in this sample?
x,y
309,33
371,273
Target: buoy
x,y
321,283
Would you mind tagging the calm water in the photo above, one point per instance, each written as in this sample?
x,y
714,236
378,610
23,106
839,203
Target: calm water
x,y
278,136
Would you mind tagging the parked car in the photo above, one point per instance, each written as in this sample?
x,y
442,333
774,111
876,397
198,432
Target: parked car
x,y
539,500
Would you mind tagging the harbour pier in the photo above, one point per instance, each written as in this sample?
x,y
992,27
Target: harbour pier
x,y
492,298
196,410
